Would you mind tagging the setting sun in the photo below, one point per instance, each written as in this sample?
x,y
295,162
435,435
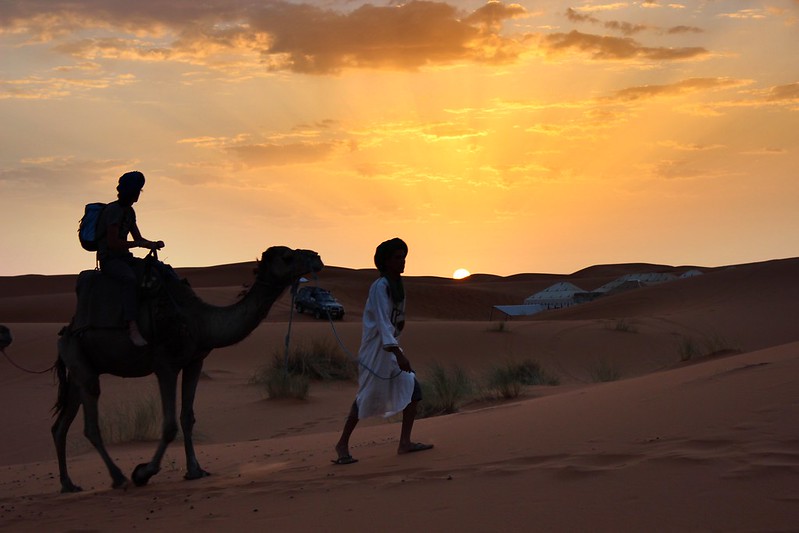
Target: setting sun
x,y
461,273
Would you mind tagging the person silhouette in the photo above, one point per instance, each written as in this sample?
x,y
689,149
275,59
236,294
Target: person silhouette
x,y
115,224
386,381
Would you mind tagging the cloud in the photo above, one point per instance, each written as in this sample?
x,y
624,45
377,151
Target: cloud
x,y
39,88
267,154
62,176
682,87
683,29
306,143
604,7
778,96
745,14
277,35
405,37
766,151
788,92
690,147
615,48
625,28
683,169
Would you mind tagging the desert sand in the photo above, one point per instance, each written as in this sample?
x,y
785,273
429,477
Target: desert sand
x,y
707,444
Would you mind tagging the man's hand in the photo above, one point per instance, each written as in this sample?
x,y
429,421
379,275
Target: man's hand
x,y
402,361
150,245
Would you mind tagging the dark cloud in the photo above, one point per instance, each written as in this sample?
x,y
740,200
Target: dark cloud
x,y
575,16
408,36
684,29
625,28
615,48
299,37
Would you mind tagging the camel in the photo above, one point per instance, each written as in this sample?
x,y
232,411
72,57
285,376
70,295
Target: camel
x,y
5,338
177,344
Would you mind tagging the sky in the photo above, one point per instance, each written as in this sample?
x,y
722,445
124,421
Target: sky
x,y
499,137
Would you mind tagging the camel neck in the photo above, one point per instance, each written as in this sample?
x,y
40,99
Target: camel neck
x,y
225,326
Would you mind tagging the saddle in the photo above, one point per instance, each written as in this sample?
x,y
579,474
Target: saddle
x,y
100,296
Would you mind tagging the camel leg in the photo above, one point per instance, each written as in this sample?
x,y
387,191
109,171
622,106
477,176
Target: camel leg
x,y
90,394
167,384
60,429
191,376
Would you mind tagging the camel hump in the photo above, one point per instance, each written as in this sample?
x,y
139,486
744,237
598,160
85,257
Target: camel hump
x,y
99,301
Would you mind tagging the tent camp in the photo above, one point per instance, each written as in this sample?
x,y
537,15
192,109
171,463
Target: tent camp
x,y
558,295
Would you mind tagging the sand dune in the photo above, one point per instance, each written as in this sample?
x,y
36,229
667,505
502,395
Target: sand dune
x,y
709,444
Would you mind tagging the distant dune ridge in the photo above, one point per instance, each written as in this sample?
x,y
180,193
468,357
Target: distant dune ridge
x,y
697,431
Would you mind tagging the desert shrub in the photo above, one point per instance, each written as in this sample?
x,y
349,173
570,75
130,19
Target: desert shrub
x,y
529,372
500,326
623,325
507,380
605,371
132,420
718,345
319,359
444,390
281,384
289,375
689,348
504,382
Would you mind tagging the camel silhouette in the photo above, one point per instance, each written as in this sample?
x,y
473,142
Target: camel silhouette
x,y
5,338
179,340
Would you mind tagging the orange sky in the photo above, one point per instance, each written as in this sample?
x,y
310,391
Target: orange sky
x,y
539,136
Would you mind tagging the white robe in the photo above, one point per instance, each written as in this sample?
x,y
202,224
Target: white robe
x,y
376,394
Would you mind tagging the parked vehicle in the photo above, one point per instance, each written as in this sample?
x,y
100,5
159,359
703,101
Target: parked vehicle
x,y
318,301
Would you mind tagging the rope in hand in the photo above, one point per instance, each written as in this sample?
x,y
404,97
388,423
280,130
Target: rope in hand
x,y
356,359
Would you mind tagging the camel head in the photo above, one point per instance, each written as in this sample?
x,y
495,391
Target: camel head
x,y
5,337
285,265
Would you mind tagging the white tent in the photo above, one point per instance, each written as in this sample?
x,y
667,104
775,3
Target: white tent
x,y
517,310
631,281
558,295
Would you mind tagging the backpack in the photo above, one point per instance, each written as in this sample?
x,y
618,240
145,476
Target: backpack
x,y
87,229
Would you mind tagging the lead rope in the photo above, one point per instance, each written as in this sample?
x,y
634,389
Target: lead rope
x,y
288,333
335,334
27,370
356,359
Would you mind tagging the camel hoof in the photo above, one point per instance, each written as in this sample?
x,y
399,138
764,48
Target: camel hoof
x,y
199,474
141,474
66,489
123,484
